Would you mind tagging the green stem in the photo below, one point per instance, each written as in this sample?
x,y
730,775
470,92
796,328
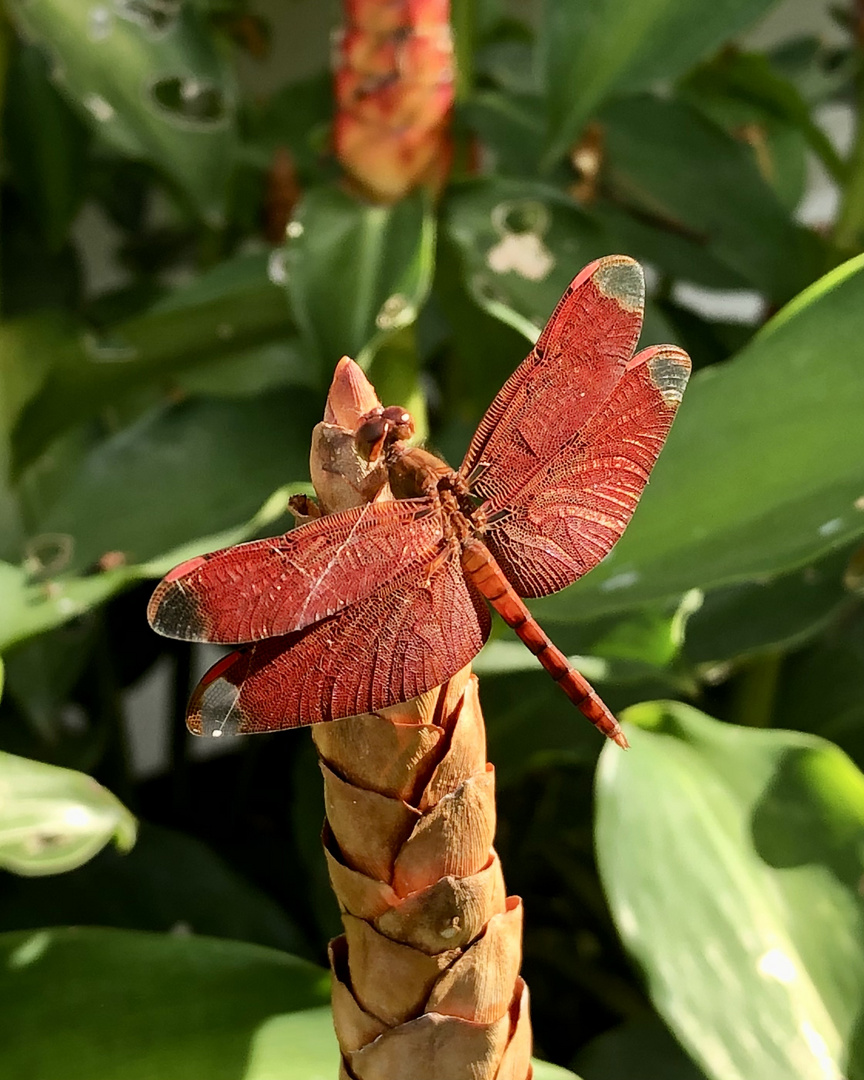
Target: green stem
x,y
5,48
756,690
463,19
849,229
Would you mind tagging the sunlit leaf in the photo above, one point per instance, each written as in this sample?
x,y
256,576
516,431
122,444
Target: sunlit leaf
x,y
54,819
732,860
356,272
146,1005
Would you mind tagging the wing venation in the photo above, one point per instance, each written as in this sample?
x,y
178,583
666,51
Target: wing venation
x,y
267,588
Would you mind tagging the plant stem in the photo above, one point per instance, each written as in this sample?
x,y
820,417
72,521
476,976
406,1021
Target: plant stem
x,y
849,229
755,691
463,19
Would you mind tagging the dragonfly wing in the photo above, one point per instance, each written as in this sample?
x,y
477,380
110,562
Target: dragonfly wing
x,y
271,587
562,522
410,636
570,372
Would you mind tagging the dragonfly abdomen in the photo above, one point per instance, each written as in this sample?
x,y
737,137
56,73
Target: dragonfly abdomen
x,y
489,579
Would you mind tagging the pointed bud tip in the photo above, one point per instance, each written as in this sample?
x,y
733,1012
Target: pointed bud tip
x,y
351,396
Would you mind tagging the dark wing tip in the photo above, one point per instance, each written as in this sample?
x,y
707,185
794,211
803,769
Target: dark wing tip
x,y
173,613
669,370
620,278
213,708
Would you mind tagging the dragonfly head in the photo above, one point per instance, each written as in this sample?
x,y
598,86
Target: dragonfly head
x,y
380,428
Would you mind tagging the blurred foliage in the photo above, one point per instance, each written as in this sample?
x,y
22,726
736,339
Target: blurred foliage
x,y
164,354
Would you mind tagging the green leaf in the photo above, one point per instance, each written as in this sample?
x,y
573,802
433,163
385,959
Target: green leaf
x,y
54,819
357,272
46,145
26,348
510,127
784,611
764,467
29,607
732,859
591,50
706,185
743,87
42,673
149,1005
521,243
150,80
223,316
186,471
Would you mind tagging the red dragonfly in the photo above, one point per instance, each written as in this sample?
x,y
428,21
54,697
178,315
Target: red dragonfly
x,y
362,609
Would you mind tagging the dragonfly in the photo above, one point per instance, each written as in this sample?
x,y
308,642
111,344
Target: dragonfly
x,y
361,609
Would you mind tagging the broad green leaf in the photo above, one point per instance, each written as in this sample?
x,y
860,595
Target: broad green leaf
x,y
764,467
150,1005
706,185
45,144
594,49
224,316
29,607
732,859
168,879
26,348
767,614
52,819
295,116
510,128
189,470
521,243
148,77
356,272
668,249
739,87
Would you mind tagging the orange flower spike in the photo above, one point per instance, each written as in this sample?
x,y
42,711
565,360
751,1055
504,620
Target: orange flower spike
x,y
394,94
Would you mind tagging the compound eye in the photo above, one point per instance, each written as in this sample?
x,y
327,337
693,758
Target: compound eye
x,y
369,436
400,421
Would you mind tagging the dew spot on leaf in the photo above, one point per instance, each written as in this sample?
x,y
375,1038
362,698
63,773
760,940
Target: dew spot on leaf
x,y
190,102
100,23
154,16
99,108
